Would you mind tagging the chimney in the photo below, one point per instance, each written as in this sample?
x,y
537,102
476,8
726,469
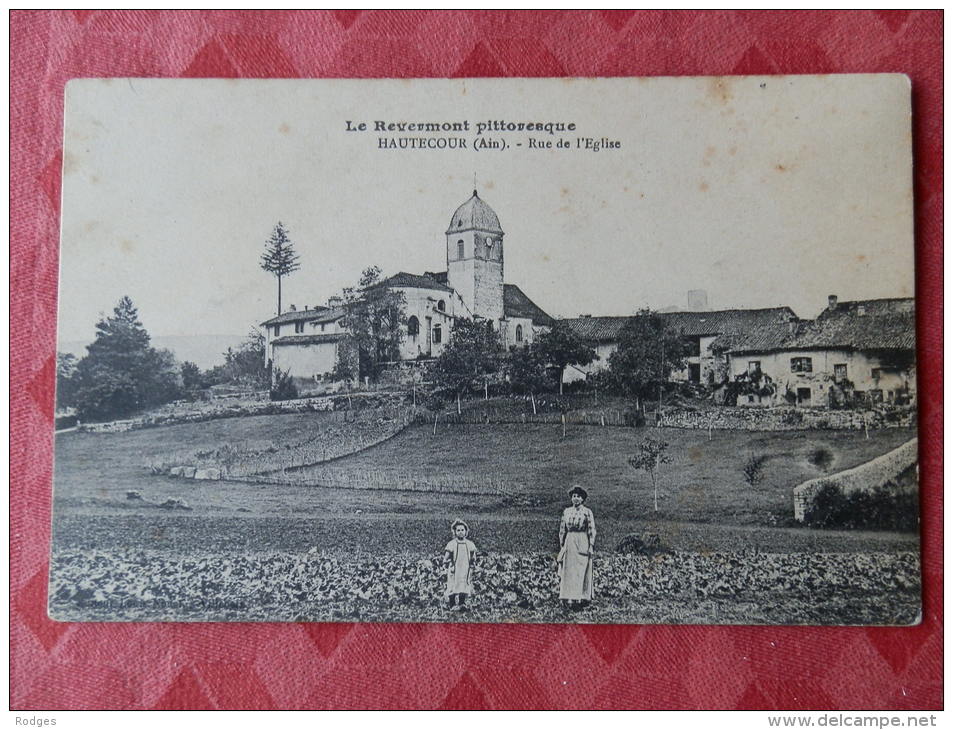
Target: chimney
x,y
292,308
832,302
792,325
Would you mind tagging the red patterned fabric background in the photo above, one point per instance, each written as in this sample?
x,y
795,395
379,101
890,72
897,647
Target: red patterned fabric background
x,y
103,666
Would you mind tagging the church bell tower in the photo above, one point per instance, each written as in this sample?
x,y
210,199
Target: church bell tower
x,y
475,258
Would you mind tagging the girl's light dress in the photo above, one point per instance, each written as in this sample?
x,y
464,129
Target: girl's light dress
x,y
577,533
460,572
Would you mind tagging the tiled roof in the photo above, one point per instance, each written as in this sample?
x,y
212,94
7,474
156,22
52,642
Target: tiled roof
x,y
414,281
866,307
517,304
689,324
596,329
699,324
894,331
302,315
307,339
835,330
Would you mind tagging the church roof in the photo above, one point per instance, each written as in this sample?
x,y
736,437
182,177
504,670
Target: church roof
x,y
414,281
517,304
475,214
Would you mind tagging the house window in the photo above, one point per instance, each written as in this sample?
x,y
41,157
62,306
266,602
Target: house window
x,y
875,373
876,396
277,330
322,326
437,334
442,305
754,366
840,372
299,328
460,249
801,365
413,327
804,396
693,346
519,333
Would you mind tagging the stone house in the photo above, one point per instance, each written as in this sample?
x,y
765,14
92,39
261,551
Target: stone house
x,y
699,330
857,352
306,342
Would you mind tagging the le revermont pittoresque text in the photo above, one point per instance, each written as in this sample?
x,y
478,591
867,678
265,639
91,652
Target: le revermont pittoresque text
x,y
489,134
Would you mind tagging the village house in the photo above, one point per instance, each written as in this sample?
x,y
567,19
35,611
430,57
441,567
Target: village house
x,y
856,352
306,342
699,330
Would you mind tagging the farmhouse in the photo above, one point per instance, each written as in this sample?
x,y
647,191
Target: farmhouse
x,y
857,352
305,342
700,330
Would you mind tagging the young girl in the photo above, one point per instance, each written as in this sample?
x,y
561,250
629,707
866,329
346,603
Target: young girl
x,y
459,557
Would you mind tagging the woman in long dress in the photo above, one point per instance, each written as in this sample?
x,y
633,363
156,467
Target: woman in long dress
x,y
577,538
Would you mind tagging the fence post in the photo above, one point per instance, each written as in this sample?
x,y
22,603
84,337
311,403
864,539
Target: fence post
x,y
435,417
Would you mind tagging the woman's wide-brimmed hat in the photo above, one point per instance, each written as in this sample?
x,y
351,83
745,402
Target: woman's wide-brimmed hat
x,y
453,526
576,489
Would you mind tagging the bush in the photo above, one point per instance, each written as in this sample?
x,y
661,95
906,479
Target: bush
x,y
648,543
822,458
753,468
283,387
882,508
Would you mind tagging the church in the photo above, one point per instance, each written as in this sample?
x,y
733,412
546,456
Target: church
x,y
305,341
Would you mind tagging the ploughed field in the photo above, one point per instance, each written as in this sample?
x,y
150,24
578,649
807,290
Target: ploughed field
x,y
354,554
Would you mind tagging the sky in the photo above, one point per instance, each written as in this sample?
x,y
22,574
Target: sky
x,y
763,191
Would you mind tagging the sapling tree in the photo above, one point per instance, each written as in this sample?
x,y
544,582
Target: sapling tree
x,y
651,454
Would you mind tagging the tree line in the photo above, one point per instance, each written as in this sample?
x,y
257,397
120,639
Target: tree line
x,y
122,374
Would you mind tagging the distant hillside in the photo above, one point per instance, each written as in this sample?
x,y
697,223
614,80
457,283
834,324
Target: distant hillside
x,y
204,350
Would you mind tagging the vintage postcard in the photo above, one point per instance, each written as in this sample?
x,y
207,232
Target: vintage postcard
x,y
487,350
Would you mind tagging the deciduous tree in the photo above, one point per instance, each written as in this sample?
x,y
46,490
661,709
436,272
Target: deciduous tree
x,y
647,354
525,368
373,318
473,353
560,347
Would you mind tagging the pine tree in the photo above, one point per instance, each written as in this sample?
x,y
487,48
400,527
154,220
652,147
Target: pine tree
x,y
121,373
279,257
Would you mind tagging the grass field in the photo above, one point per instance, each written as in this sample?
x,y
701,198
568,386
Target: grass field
x,y
703,485
707,509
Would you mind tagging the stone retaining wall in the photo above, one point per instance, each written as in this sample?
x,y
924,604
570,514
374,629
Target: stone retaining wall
x,y
363,430
251,408
868,476
785,419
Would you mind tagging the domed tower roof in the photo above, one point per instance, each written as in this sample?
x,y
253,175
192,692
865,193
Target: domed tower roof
x,y
474,214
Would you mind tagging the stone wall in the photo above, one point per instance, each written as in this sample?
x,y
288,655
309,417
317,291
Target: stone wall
x,y
361,430
214,411
869,476
785,419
